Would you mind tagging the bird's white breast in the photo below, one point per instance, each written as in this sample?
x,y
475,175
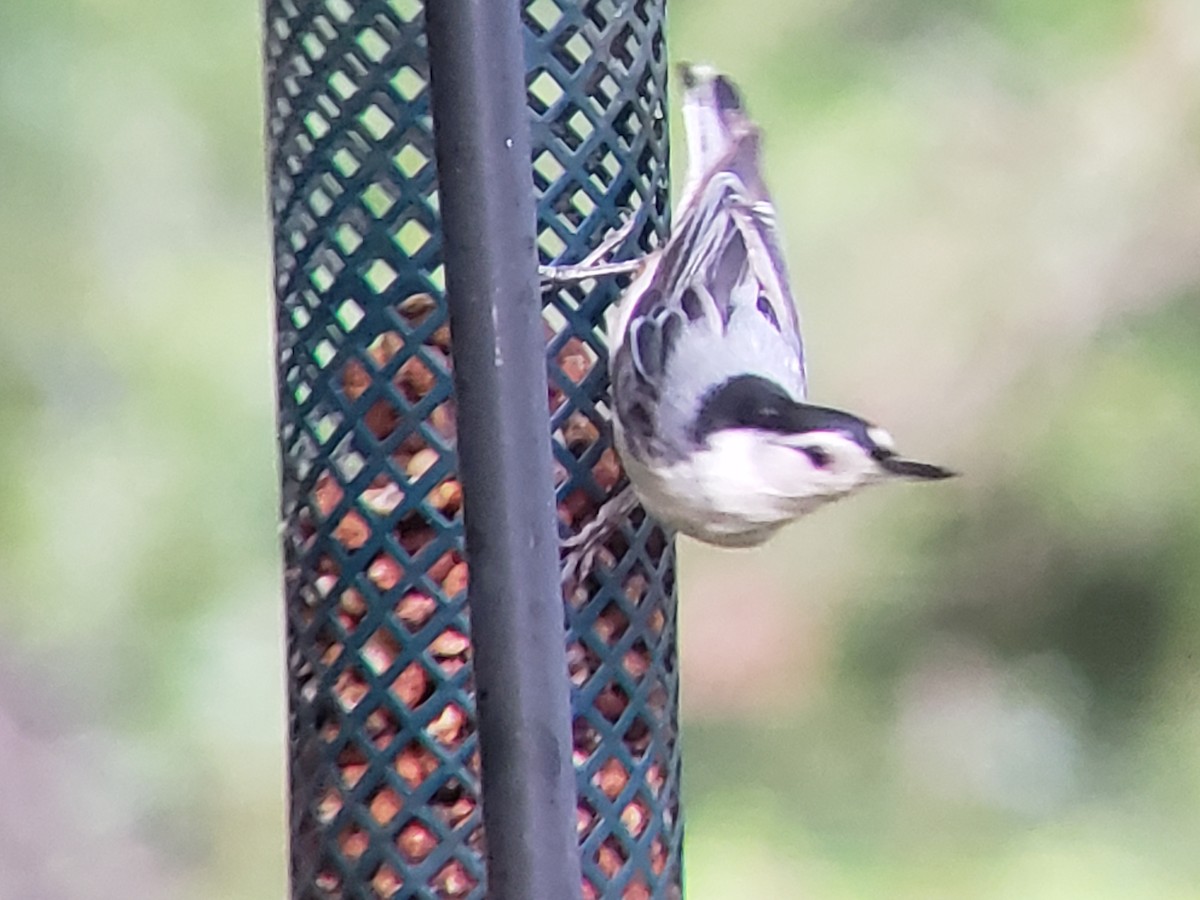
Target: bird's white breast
x,y
736,492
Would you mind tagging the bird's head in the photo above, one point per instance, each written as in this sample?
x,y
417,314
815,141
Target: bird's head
x,y
811,454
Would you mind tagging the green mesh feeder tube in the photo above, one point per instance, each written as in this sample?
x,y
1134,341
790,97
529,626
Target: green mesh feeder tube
x,y
386,778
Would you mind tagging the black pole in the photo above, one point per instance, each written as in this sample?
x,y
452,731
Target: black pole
x,y
481,127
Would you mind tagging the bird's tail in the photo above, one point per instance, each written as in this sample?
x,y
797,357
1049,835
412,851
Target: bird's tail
x,y
715,122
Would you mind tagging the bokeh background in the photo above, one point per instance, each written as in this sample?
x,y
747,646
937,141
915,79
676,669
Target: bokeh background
x,y
984,689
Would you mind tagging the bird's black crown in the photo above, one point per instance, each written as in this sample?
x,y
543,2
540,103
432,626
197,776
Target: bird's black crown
x,y
750,401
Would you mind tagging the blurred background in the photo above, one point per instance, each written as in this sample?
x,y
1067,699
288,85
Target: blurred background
x,y
985,689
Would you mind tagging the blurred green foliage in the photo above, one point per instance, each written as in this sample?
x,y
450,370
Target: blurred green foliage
x,y
983,690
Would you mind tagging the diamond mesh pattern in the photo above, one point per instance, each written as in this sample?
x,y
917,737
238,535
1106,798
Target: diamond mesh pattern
x,y
384,759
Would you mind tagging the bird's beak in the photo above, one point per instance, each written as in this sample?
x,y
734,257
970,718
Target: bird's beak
x,y
910,468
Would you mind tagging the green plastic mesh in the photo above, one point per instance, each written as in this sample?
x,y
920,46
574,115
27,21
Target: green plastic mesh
x,y
384,763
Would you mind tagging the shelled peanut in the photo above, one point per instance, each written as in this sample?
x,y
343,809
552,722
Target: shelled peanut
x,y
395,518
585,659
411,498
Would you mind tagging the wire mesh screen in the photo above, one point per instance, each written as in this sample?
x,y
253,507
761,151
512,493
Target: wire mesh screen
x,y
384,761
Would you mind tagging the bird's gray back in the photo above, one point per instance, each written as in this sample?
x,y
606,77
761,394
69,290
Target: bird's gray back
x,y
716,305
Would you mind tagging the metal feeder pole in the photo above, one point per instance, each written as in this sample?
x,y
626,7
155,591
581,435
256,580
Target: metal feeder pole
x,y
481,130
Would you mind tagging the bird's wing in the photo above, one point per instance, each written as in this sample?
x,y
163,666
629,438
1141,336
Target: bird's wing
x,y
714,302
723,261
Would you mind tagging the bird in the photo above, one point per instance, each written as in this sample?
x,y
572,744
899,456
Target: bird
x,y
709,383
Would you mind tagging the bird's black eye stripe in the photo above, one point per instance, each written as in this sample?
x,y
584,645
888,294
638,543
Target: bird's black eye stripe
x,y
820,457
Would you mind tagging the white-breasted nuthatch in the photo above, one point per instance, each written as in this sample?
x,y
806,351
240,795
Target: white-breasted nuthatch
x,y
708,372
